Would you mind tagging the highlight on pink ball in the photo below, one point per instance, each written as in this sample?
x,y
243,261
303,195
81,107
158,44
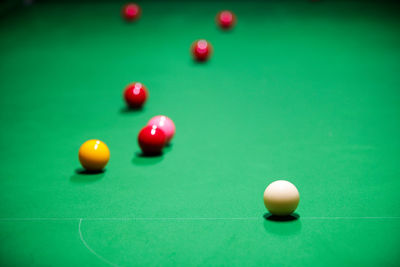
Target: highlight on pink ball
x,y
165,124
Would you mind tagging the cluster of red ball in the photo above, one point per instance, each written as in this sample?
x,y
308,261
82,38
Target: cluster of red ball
x,y
201,49
159,130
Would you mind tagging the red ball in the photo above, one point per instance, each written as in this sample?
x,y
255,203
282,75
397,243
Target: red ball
x,y
131,11
226,19
135,95
152,140
201,50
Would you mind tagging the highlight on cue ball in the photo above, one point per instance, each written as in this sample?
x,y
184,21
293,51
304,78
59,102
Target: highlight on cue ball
x,y
94,155
281,198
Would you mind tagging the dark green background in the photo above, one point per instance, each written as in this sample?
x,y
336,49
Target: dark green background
x,y
303,91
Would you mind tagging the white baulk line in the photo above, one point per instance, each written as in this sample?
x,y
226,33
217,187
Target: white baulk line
x,y
90,249
196,218
350,218
40,219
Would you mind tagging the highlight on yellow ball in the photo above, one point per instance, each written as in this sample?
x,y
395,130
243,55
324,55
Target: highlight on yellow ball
x,y
94,155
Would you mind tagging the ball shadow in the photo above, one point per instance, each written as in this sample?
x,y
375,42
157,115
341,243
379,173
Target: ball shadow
x,y
282,225
292,217
129,110
226,31
84,176
167,148
195,62
141,159
132,22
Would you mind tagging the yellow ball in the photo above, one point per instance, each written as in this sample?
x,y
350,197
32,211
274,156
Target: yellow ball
x,y
94,155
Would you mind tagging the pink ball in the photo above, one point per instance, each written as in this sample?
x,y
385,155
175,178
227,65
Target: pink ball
x,y
165,124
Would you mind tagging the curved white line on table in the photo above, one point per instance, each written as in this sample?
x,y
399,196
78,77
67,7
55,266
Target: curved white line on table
x,y
90,249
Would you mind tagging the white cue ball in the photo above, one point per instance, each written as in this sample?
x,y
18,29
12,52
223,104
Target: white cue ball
x,y
281,198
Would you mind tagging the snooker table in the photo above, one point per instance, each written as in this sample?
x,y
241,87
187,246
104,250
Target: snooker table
x,y
298,90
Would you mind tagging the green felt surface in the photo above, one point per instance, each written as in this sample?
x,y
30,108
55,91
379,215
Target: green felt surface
x,y
299,90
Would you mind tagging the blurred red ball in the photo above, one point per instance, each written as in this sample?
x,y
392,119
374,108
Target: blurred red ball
x,y
226,19
135,95
131,12
201,50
